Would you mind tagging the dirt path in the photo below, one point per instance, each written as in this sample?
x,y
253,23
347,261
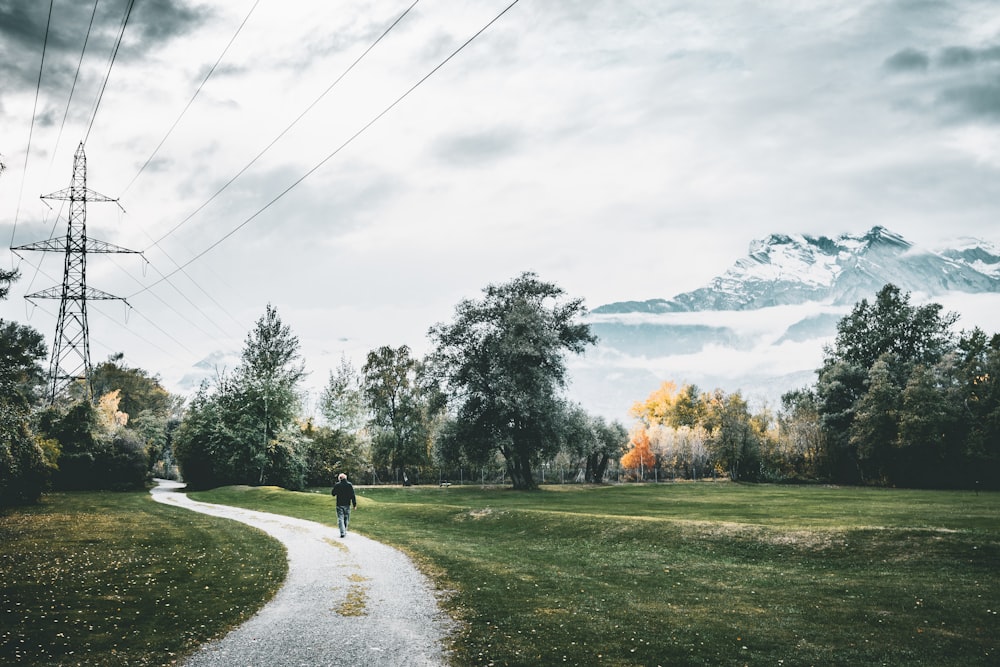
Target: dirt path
x,y
350,601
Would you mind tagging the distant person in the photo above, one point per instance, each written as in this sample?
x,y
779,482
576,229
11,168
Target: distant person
x,y
343,491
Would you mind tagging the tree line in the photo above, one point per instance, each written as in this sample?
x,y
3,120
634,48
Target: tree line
x,y
491,392
901,399
110,433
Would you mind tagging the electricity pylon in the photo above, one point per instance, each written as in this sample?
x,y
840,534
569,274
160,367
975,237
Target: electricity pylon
x,y
71,345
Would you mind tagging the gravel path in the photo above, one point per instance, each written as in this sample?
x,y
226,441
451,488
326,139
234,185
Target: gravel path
x,y
346,601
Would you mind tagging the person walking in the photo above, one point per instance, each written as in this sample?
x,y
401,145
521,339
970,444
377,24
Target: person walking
x,y
343,491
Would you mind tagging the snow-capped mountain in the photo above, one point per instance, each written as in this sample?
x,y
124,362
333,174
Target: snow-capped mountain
x,y
792,269
760,327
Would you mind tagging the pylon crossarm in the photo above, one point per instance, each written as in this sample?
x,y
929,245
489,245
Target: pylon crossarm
x,y
48,245
72,193
98,295
88,294
93,245
50,293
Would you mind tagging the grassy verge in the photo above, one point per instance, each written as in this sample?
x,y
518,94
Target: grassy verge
x,y
118,579
713,574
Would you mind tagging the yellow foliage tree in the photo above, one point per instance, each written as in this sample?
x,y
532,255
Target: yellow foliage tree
x,y
658,405
107,408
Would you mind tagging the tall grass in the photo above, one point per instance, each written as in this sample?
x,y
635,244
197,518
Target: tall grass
x,y
118,579
692,574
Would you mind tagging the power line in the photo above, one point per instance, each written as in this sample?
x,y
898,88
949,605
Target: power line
x,y
108,317
200,288
111,64
38,267
286,130
175,310
335,152
31,130
76,76
155,326
191,101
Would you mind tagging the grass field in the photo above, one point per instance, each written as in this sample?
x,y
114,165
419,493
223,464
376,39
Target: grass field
x,y
118,579
695,574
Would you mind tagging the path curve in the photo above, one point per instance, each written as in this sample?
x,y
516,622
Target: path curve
x,y
346,601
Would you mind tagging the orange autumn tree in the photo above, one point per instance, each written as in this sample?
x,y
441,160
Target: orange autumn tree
x,y
640,456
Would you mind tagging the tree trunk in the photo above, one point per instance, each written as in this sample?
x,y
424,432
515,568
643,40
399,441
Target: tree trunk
x,y
598,468
519,469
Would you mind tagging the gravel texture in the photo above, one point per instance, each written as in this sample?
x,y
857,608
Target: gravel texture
x,y
346,601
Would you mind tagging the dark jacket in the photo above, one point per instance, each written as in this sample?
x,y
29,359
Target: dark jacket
x,y
343,491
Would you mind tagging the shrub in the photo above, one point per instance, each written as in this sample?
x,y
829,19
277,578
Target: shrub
x,y
24,469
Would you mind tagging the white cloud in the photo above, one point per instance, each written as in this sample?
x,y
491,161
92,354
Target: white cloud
x,y
625,150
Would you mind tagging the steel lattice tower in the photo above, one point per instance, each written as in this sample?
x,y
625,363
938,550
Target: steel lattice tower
x,y
71,345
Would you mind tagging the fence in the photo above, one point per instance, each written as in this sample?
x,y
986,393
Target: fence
x,y
497,476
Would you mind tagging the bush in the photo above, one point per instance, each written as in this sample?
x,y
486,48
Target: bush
x,y
331,451
126,464
24,469
286,464
92,458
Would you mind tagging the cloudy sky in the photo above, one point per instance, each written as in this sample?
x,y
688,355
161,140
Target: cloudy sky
x,y
624,149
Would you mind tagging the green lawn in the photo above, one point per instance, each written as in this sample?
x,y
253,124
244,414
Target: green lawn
x,y
118,579
688,574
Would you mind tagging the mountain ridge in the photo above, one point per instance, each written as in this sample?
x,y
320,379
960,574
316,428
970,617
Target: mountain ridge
x,y
788,269
761,326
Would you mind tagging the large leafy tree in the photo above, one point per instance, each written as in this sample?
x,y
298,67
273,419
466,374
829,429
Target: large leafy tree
x,y
271,371
593,441
21,375
399,417
878,346
266,383
891,325
138,391
875,426
501,361
734,440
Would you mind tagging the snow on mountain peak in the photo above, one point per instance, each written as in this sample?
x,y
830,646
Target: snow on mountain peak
x,y
785,269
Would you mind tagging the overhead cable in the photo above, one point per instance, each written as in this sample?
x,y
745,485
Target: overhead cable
x,y
334,153
31,130
191,101
76,76
111,64
285,131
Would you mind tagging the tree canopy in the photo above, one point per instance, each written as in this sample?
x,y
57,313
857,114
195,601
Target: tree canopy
x,y
397,408
244,432
502,363
25,465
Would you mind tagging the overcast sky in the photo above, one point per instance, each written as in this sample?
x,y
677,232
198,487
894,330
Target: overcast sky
x,y
622,149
